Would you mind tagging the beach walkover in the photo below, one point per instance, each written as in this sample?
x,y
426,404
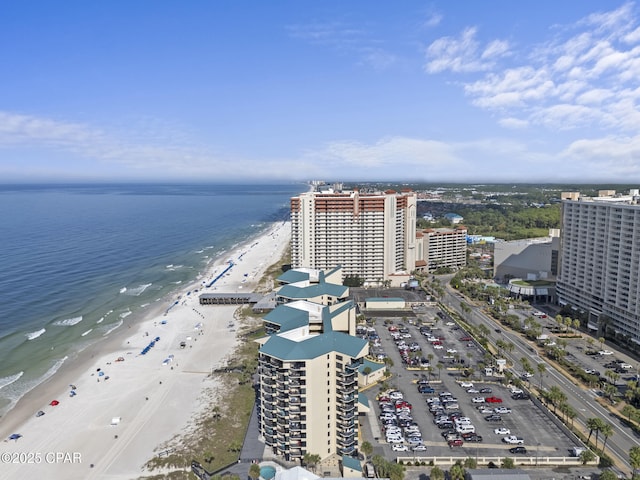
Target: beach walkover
x,y
229,298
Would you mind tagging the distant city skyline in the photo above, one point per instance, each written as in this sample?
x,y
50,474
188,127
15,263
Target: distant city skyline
x,y
255,91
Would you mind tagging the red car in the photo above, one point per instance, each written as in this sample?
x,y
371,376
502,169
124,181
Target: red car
x,y
493,400
465,339
456,442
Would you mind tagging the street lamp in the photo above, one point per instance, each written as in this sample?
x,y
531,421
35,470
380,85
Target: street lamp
x,y
537,448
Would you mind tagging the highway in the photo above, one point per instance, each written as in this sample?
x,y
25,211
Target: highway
x,y
580,398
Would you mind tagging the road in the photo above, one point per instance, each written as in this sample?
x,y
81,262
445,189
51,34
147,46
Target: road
x,y
581,399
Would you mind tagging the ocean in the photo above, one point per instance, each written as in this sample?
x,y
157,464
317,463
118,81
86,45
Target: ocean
x,y
79,261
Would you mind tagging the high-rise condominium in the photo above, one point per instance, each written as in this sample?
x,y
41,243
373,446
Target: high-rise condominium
x,y
371,235
600,260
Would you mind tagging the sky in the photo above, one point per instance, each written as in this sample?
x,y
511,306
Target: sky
x,y
364,90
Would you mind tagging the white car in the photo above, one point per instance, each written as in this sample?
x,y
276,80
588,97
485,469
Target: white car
x,y
502,410
477,400
438,347
395,440
466,385
452,350
450,324
513,440
419,448
502,431
399,448
485,409
605,352
473,390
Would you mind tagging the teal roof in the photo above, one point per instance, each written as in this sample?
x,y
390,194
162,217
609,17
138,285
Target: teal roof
x,y
363,400
352,463
384,299
373,366
328,314
314,346
293,276
313,290
287,317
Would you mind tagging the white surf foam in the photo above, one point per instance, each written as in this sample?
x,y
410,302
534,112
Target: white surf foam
x,y
138,290
125,314
32,335
68,322
112,328
4,381
16,391
123,289
87,332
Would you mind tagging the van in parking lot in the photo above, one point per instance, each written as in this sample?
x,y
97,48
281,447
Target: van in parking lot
x,y
466,429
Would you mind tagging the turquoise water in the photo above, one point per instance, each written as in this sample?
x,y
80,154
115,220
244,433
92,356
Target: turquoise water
x,y
267,472
79,261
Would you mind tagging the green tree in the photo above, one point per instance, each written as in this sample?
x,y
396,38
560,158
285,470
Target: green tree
x,y
542,368
367,449
436,473
587,456
507,462
311,460
634,459
456,472
608,475
254,471
470,462
628,411
606,430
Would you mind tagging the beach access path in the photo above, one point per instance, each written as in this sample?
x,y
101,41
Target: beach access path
x,y
123,410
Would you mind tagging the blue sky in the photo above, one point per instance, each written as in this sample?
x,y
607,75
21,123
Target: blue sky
x,y
470,91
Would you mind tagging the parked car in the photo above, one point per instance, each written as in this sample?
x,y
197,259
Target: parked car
x,y
485,390
494,417
513,440
457,442
472,437
419,448
502,410
466,384
473,390
518,450
477,400
399,448
493,400
426,389
502,431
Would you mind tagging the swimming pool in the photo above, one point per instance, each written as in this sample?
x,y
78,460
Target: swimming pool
x,y
267,472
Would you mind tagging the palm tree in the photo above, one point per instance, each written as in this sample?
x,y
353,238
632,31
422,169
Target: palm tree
x,y
254,471
634,459
311,460
456,472
628,411
592,424
587,456
436,473
367,449
606,430
542,368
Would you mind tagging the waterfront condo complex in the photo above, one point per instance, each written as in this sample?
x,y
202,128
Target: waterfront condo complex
x,y
308,379
371,235
600,260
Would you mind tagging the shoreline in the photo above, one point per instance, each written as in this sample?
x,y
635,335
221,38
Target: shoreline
x,y
166,383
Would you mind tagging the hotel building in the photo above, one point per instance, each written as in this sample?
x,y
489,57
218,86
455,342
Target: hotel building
x,y
308,380
599,270
370,235
441,247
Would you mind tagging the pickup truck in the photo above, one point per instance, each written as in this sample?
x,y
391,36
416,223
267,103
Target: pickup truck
x,y
513,440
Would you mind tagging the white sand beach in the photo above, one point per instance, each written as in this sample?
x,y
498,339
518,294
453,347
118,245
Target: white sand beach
x,y
153,401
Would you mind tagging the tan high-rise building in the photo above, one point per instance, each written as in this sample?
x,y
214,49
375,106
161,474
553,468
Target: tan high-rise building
x,y
308,380
371,235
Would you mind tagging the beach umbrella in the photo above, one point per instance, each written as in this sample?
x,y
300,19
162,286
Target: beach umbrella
x,y
54,403
14,436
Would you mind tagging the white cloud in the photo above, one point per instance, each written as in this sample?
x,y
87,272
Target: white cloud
x,y
586,65
462,54
433,20
514,123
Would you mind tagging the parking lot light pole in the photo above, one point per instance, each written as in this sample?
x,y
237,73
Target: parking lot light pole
x,y
537,449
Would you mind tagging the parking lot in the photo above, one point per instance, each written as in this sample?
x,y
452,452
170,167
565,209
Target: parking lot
x,y
455,402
